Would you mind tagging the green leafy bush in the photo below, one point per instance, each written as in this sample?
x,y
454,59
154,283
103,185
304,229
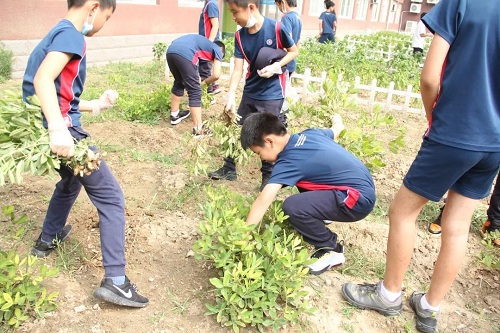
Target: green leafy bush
x,y
159,51
261,271
138,103
22,295
6,59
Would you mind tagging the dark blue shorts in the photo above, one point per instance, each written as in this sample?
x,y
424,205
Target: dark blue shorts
x,y
438,168
249,106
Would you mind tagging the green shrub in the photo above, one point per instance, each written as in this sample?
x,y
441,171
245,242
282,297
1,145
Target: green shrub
x,y
6,59
261,272
22,295
159,51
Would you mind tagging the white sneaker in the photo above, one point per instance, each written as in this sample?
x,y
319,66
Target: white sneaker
x,y
327,259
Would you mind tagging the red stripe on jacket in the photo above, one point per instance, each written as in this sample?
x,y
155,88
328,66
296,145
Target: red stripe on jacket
x,y
352,194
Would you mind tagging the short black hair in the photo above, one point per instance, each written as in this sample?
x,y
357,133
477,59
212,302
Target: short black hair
x,y
257,125
243,3
105,4
329,4
222,47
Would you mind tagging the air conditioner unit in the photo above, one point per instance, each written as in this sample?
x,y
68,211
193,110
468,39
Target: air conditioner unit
x,y
416,1
410,26
415,8
432,2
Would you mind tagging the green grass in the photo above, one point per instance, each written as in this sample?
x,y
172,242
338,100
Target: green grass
x,y
360,264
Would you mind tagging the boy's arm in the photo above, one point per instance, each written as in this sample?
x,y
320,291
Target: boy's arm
x,y
61,141
320,26
233,84
430,78
216,69
214,21
262,203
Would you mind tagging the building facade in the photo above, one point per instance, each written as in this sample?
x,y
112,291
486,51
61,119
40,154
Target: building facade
x,y
137,25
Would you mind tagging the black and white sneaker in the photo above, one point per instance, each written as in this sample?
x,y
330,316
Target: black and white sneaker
x,y
43,249
174,120
125,294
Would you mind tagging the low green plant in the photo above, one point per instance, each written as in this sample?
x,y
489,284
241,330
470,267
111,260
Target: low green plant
x,y
261,270
23,295
6,60
490,255
159,51
143,104
17,226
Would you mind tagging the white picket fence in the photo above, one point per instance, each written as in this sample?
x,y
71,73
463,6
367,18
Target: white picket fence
x,y
305,91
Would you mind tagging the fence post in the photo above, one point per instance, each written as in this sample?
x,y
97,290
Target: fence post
x,y
305,83
372,92
407,97
388,102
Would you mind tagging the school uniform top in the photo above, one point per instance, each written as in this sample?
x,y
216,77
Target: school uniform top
x,y
248,47
210,10
312,161
328,18
419,41
64,37
467,111
291,21
194,48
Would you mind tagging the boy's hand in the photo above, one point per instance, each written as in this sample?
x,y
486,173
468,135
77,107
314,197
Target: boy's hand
x,y
61,142
107,100
337,125
268,71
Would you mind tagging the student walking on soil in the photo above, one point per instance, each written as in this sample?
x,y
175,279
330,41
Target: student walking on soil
x,y
460,153
56,73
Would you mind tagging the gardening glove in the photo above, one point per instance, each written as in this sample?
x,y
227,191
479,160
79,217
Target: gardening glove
x,y
270,70
60,141
107,100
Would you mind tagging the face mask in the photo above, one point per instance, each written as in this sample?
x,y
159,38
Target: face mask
x,y
251,20
87,27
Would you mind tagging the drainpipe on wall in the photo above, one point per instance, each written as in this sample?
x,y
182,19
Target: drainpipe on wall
x,y
401,19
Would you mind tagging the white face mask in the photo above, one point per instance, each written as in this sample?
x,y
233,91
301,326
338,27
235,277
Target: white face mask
x,y
251,20
87,27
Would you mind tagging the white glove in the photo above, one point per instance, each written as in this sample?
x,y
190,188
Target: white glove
x,y
60,141
230,103
107,100
268,71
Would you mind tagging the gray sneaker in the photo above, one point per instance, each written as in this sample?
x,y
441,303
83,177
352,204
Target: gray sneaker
x,y
367,296
427,320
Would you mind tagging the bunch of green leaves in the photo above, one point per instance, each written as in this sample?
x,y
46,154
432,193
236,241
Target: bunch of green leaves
x,y
23,296
490,256
6,60
225,138
229,45
24,143
366,144
143,104
261,270
159,51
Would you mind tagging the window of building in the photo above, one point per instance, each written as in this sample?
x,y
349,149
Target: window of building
x,y
362,10
346,9
383,10
375,11
138,2
316,7
191,3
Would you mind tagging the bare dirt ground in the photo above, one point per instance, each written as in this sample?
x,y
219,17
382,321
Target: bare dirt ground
x,y
162,225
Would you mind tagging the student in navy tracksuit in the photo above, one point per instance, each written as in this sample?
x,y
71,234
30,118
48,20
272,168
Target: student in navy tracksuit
x,y
56,73
264,88
333,184
183,58
291,21
328,23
